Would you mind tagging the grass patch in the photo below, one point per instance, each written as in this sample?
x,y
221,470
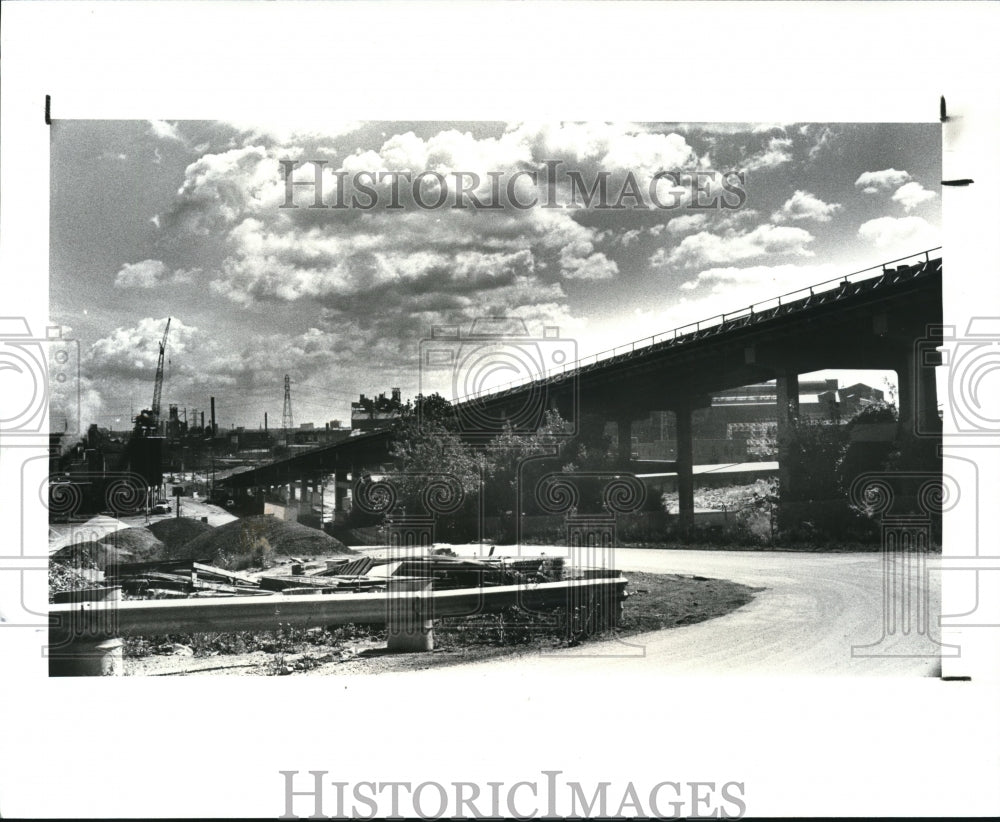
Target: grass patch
x,y
655,602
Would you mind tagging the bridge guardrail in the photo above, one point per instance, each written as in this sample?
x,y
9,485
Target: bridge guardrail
x,y
836,288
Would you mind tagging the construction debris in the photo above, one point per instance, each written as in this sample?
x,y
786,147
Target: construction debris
x,y
347,567
180,578
185,576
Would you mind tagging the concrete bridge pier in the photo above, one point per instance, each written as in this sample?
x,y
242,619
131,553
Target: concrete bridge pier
x,y
917,400
337,496
624,425
685,465
787,384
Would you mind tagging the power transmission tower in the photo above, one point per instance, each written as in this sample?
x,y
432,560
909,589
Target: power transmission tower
x,y
286,414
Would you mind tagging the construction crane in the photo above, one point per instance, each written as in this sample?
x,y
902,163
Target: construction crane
x,y
158,384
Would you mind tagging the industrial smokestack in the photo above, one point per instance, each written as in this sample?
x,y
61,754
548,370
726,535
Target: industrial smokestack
x,y
265,422
213,416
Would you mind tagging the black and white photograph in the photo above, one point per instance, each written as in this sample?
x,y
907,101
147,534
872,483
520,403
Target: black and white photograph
x,y
467,356
646,456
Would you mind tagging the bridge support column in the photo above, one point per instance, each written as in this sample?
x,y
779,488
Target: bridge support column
x,y
917,400
787,416
685,466
624,441
788,399
336,496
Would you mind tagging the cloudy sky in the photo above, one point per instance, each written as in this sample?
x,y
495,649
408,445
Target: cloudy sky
x,y
182,219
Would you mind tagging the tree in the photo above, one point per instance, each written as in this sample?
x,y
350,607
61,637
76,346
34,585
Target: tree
x,y
497,478
511,464
812,452
870,442
426,449
432,410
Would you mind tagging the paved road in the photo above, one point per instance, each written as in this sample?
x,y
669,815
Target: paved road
x,y
814,608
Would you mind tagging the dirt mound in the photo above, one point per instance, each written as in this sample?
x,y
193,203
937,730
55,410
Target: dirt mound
x,y
356,536
262,535
141,543
177,532
92,555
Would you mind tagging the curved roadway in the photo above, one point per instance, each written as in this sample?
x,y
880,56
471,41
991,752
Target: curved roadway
x,y
814,608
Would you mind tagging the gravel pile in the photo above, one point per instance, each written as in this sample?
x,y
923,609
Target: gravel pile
x,y
177,532
92,555
141,543
238,538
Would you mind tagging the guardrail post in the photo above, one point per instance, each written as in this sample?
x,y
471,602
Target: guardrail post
x,y
409,626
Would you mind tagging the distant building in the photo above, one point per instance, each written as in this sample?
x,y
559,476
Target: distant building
x,y
308,434
370,414
741,424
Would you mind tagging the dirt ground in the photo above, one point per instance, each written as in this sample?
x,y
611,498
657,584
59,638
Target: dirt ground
x,y
655,602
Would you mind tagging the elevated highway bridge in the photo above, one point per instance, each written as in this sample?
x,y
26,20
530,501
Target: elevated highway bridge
x,y
879,318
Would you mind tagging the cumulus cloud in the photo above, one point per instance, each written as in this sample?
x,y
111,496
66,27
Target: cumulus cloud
x,y
219,189
379,279
165,131
871,182
133,352
686,222
144,274
199,363
761,281
777,152
805,206
151,273
825,138
726,289
289,255
708,248
894,232
911,195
